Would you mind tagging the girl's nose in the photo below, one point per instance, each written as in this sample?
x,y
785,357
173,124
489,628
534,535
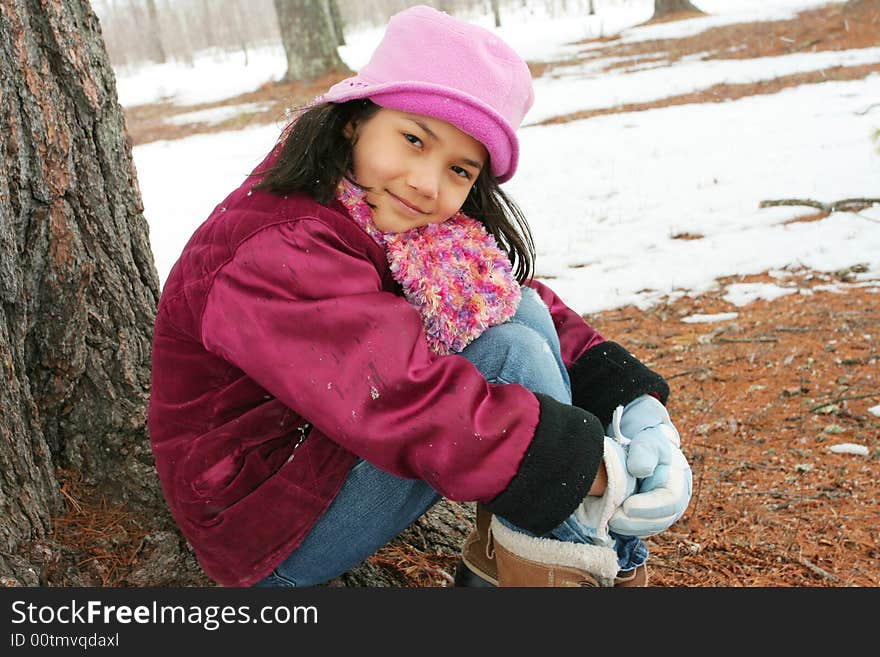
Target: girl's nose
x,y
424,179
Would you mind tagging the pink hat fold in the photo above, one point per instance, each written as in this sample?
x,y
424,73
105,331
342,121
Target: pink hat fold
x,y
433,64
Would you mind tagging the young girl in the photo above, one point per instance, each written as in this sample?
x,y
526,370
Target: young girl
x,y
344,341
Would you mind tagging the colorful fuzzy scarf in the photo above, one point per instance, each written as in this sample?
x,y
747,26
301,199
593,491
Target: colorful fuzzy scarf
x,y
452,272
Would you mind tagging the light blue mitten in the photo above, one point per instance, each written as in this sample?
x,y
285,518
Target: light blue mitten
x,y
654,456
648,513
644,424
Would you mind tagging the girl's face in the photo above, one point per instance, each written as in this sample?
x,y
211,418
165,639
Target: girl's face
x,y
418,169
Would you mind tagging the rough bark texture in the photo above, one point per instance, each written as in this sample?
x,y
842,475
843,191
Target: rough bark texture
x,y
309,39
78,287
663,7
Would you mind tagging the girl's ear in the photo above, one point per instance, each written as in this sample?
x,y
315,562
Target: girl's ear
x,y
349,129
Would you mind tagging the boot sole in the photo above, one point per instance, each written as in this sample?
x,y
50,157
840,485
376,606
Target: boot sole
x,y
468,576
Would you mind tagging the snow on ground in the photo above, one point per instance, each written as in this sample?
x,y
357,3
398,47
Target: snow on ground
x,y
582,87
607,196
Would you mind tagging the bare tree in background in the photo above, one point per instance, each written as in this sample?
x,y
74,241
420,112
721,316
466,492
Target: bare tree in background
x,y
496,12
154,33
337,22
664,7
309,40
77,281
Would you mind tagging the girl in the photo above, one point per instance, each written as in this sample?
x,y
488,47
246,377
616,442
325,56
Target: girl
x,y
323,366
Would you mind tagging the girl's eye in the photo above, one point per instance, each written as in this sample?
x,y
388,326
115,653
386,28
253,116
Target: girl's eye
x,y
412,139
461,171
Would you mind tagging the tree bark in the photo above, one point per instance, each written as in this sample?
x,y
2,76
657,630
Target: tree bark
x,y
77,281
337,22
664,7
309,40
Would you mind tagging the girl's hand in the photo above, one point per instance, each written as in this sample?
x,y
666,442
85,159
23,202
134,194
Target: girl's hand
x,y
600,483
654,510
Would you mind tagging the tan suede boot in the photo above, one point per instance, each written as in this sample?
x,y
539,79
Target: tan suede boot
x,y
524,560
479,565
478,554
635,577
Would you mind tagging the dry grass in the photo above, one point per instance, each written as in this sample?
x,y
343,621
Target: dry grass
x,y
106,538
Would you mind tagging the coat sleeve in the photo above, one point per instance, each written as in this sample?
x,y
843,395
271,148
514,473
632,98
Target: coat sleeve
x,y
603,374
303,313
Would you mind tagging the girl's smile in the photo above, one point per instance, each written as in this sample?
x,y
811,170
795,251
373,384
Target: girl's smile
x,y
408,208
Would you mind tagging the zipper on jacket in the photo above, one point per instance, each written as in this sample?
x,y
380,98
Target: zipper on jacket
x,y
303,434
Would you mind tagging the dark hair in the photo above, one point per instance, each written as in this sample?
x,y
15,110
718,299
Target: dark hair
x,y
316,155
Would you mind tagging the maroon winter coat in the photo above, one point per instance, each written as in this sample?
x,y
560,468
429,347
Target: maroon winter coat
x,y
282,313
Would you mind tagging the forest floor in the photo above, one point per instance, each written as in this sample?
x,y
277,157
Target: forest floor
x,y
760,399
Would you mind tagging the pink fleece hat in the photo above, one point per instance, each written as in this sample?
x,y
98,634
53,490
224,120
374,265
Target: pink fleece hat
x,y
433,64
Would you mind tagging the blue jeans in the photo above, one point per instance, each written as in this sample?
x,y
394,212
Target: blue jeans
x,y
373,506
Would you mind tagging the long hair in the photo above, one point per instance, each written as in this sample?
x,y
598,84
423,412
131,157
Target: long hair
x,y
316,155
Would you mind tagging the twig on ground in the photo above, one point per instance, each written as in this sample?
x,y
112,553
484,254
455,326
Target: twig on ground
x,y
805,44
749,463
867,109
843,398
698,370
758,339
814,568
843,205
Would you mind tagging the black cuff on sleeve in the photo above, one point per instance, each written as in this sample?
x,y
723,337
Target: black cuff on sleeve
x,y
607,375
557,470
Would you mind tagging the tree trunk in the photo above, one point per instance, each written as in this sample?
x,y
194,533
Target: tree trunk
x,y
77,280
240,26
337,22
309,41
207,27
154,34
664,7
496,12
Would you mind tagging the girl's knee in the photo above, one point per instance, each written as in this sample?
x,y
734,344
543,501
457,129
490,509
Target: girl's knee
x,y
513,338
507,352
534,313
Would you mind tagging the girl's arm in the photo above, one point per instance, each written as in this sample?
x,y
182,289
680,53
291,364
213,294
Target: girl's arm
x,y
303,313
603,373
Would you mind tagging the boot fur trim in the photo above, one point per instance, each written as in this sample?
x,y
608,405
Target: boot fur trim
x,y
600,562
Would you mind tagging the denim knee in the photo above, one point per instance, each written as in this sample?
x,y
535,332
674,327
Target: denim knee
x,y
534,313
514,353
